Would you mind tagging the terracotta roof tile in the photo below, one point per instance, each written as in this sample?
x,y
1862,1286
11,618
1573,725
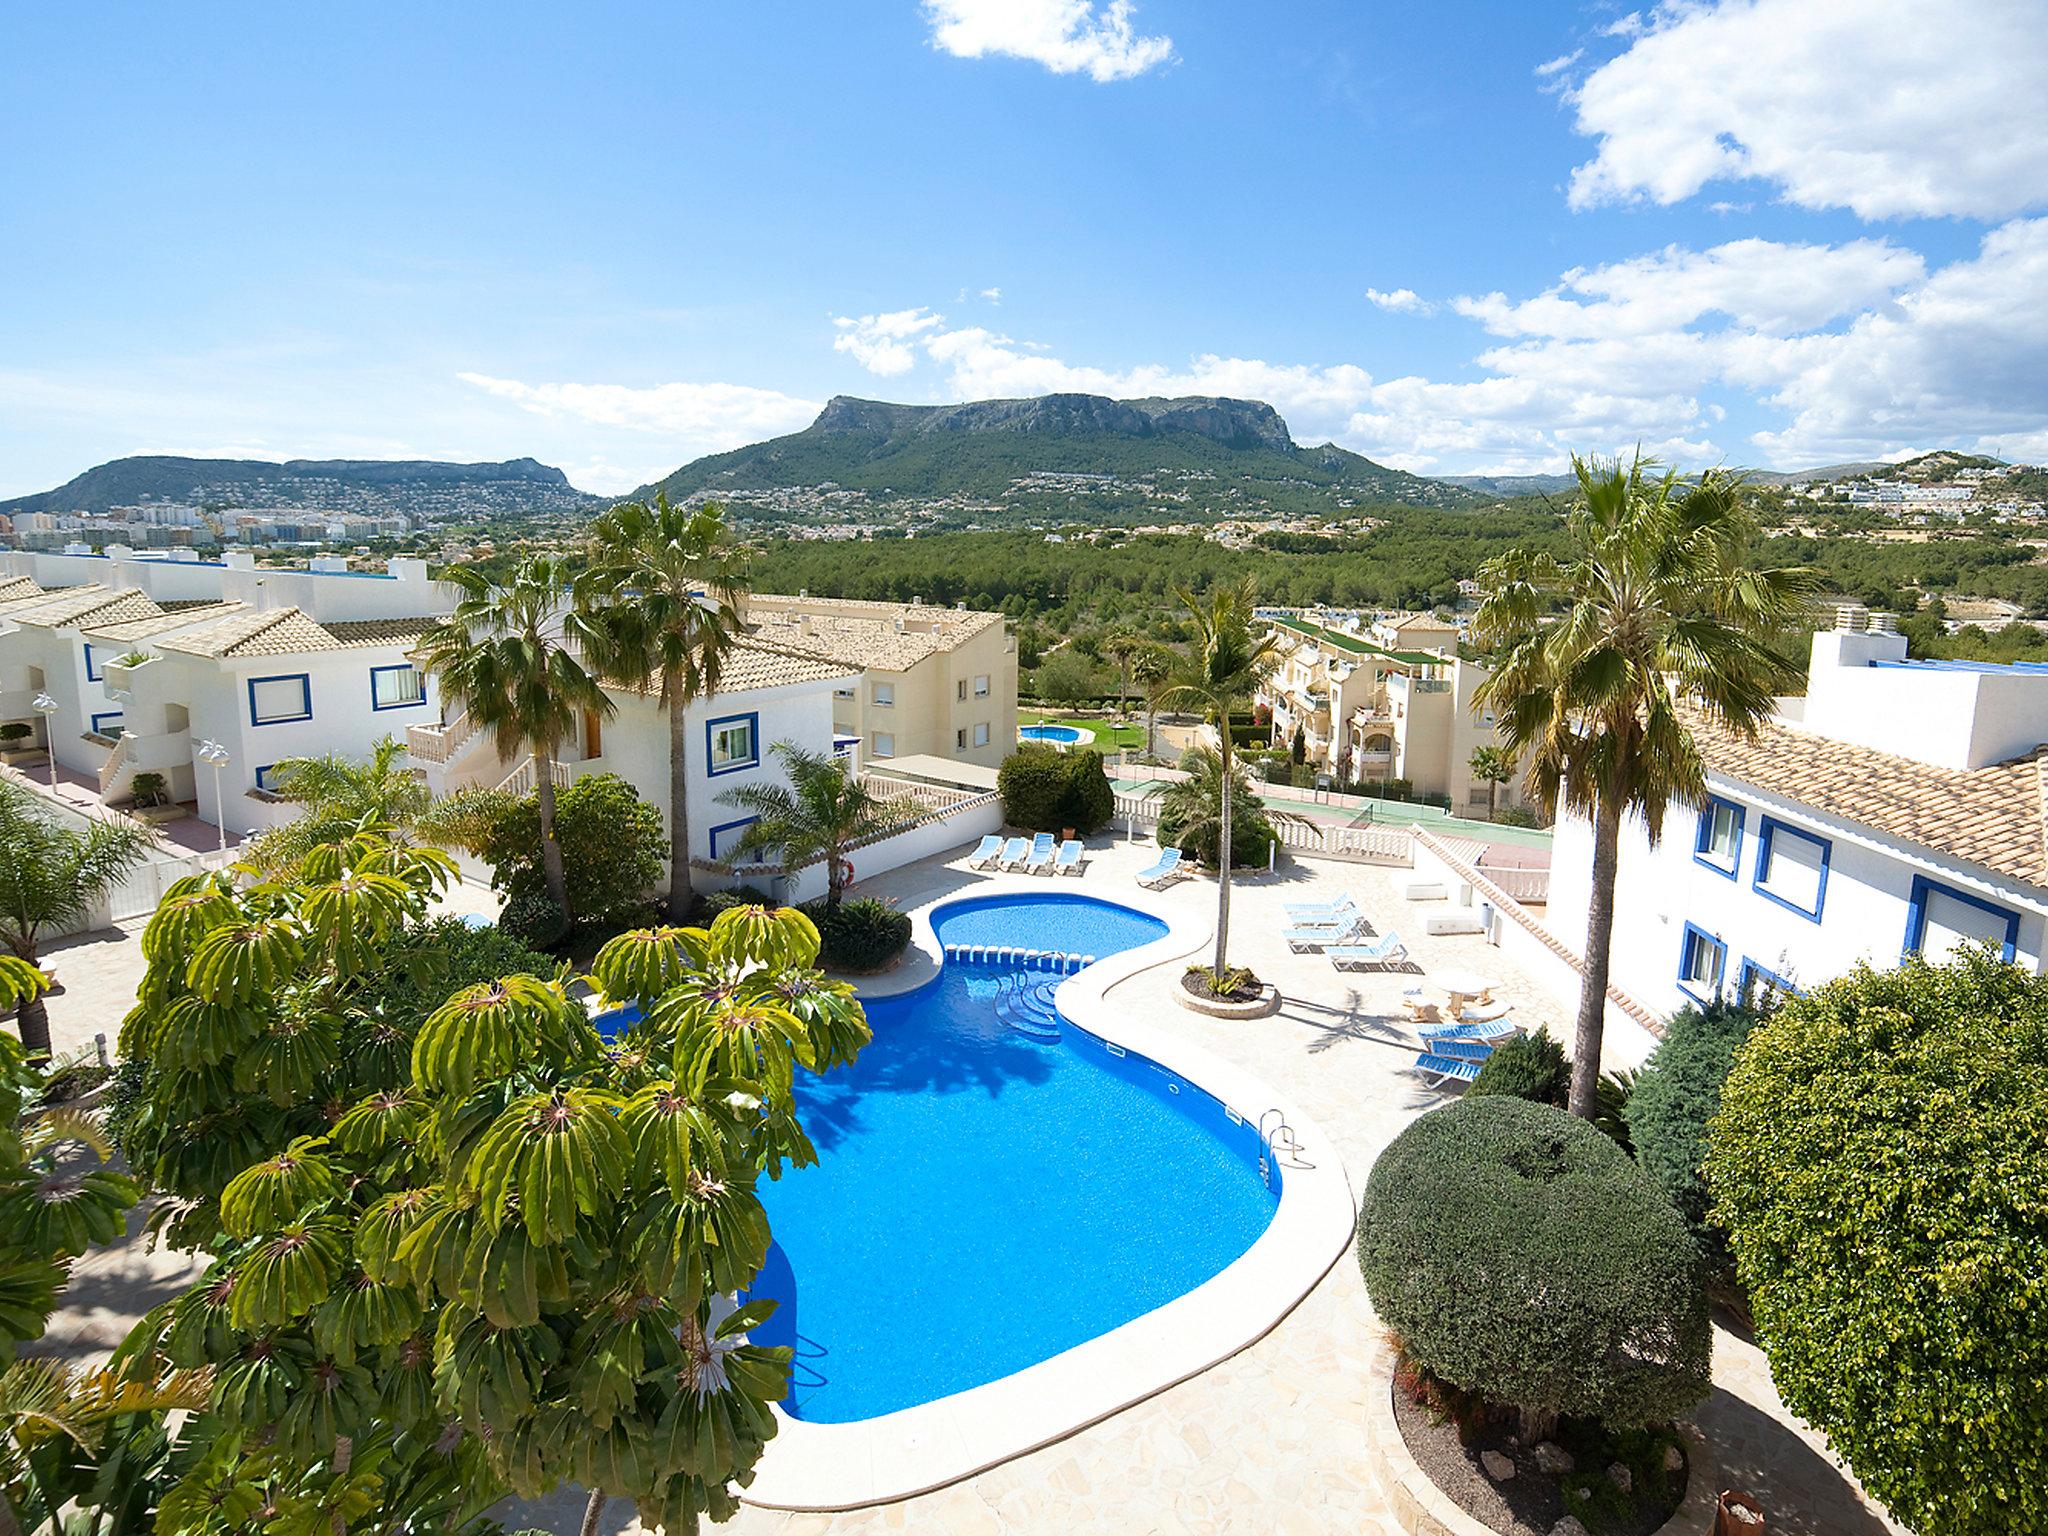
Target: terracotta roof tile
x,y
360,632
1992,816
84,605
161,623
276,632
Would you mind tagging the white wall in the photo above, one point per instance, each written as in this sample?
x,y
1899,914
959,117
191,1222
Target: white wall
x,y
403,590
1659,890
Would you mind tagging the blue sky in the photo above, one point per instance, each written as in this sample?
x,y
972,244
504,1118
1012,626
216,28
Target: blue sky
x,y
1457,237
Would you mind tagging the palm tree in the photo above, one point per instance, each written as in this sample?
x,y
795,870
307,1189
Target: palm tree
x,y
510,656
1122,646
1193,805
1153,668
50,878
340,794
1492,767
662,597
823,812
1654,611
1230,657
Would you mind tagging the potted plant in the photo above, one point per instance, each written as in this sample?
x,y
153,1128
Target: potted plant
x,y
150,798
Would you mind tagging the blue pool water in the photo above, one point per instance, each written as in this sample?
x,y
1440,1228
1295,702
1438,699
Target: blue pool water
x,y
1060,733
995,1185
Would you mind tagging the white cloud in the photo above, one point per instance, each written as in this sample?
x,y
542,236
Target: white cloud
x,y
1402,301
1849,351
881,343
1886,107
1558,65
700,418
1066,36
993,295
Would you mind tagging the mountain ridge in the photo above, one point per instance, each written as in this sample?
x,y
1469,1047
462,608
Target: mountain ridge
x,y
303,483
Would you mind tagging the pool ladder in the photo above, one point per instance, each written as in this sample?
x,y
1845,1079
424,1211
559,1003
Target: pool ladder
x,y
1278,1143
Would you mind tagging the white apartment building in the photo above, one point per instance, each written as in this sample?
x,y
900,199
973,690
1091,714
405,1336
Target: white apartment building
x,y
770,693
1897,808
1391,701
933,681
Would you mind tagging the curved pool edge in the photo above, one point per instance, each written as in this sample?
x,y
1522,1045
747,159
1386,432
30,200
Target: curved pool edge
x,y
824,1467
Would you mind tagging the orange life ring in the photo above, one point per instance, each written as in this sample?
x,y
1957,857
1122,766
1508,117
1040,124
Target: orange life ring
x,y
845,873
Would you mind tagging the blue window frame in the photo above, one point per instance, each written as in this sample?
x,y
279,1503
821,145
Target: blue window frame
x,y
263,776
281,699
1957,917
727,834
1702,964
1717,842
92,673
99,723
1792,868
1759,985
731,743
397,687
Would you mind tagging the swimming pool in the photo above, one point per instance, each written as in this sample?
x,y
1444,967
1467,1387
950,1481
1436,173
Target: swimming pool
x,y
1065,735
996,1185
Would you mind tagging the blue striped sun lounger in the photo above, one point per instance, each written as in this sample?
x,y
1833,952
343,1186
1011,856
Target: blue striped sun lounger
x,y
1070,859
1040,861
1383,950
1167,868
1445,1070
990,849
1015,852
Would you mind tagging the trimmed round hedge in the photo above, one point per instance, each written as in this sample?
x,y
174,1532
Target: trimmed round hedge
x,y
1880,1163
1517,1253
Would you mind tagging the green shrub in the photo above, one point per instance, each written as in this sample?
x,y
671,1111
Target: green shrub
x,y
1518,1253
1676,1094
613,851
533,918
428,962
148,789
860,935
711,903
1880,1163
1046,790
13,731
1251,835
1532,1067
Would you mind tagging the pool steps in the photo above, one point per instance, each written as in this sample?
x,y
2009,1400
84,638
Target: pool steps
x,y
1024,1000
1027,959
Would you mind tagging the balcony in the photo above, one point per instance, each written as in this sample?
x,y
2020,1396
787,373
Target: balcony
x,y
119,677
158,753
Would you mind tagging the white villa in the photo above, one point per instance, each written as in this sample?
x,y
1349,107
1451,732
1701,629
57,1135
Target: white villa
x,y
1391,700
1896,808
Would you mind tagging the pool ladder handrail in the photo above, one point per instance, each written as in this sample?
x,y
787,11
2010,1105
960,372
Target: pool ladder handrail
x,y
1279,1138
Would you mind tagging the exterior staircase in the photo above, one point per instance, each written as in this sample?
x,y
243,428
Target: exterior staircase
x,y
112,782
521,780
1025,1004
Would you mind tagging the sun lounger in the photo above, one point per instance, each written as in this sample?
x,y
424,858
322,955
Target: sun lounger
x,y
1318,936
1070,858
1462,1050
1445,1070
1167,868
1380,951
987,853
1015,852
1484,1013
1040,861
1310,911
1499,1029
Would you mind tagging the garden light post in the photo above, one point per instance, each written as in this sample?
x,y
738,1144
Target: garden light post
x,y
216,757
47,707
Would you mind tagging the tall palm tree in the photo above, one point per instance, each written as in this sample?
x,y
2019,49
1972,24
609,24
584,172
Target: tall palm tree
x,y
52,877
1231,655
338,794
823,812
1153,669
1194,803
662,599
1122,646
1492,767
1597,655
510,656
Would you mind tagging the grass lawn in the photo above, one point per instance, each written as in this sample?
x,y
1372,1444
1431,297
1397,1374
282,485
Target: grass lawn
x,y
1107,737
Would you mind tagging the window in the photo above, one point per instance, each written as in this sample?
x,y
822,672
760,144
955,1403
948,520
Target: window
x,y
1792,867
842,693
885,744
1718,842
726,836
107,723
1759,987
961,690
960,739
278,700
732,743
1940,920
884,695
981,734
92,672
981,686
399,687
1702,959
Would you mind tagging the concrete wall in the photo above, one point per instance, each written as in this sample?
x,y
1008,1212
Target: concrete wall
x,y
922,841
1661,889
403,590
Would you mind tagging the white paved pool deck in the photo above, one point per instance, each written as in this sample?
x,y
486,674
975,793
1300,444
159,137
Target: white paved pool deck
x,y
1272,1439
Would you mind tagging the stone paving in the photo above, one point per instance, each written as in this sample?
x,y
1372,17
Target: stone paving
x,y
1272,1440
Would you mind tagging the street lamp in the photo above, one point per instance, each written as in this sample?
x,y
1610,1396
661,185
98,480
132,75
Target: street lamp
x,y
216,757
47,707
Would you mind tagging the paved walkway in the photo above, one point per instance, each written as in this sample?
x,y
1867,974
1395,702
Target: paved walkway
x,y
1269,1441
